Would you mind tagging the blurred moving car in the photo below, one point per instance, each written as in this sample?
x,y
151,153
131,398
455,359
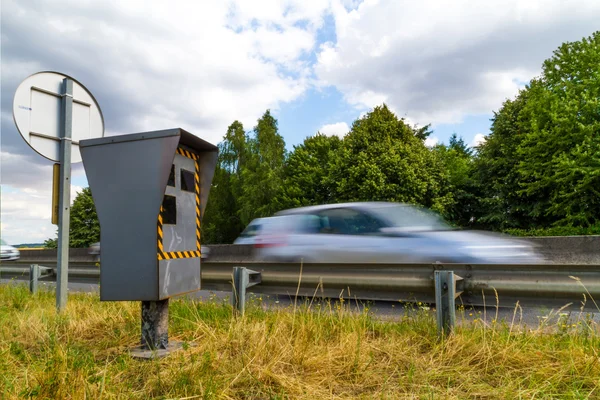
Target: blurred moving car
x,y
94,249
8,253
255,228
381,232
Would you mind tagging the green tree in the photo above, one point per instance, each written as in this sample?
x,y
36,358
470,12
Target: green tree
x,y
233,151
382,158
51,243
458,145
262,172
422,132
560,156
495,171
222,222
306,172
539,167
84,226
458,161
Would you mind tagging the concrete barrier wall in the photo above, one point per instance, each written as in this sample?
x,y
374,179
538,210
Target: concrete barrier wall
x,y
569,249
230,252
559,250
49,255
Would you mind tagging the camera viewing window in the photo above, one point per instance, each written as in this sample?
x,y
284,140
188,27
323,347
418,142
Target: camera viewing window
x,y
187,181
169,213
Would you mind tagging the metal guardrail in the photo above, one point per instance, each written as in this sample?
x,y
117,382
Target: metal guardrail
x,y
548,284
83,272
575,250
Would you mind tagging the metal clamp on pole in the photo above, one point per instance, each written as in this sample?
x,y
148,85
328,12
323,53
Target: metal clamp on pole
x,y
447,288
243,278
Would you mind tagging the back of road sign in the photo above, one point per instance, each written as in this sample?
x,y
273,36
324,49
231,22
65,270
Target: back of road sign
x,y
37,113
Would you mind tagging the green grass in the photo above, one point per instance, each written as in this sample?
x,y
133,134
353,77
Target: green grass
x,y
317,350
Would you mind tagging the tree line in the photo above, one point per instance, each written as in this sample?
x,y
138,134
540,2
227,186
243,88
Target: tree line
x,y
538,171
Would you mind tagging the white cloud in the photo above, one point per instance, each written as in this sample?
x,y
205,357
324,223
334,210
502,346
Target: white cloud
x,y
338,129
431,141
437,61
26,215
151,65
478,140
27,204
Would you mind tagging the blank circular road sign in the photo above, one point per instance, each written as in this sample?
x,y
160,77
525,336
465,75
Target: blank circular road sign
x,y
37,111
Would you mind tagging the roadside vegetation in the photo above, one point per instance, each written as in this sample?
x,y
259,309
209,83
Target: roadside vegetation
x,y
312,350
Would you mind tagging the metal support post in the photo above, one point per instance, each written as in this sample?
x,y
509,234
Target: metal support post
x,y
155,325
62,281
445,295
34,273
238,298
243,278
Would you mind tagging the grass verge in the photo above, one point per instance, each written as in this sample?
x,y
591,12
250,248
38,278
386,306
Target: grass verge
x,y
315,350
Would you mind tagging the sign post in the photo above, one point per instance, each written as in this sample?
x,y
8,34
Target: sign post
x,y
64,201
52,112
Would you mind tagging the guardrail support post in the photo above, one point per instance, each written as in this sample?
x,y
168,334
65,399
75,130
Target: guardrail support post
x,y
445,295
243,278
34,274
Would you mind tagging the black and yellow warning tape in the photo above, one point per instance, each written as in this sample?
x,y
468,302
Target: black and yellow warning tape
x,y
160,231
197,191
174,255
187,153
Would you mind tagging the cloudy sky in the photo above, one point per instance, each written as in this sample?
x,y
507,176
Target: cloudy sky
x,y
317,64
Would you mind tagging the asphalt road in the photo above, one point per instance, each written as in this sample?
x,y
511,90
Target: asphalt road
x,y
530,317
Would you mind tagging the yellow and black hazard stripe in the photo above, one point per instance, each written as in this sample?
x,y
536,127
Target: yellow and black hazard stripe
x,y
172,255
197,191
188,154
160,233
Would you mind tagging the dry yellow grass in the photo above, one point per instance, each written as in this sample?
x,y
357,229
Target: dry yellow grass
x,y
321,352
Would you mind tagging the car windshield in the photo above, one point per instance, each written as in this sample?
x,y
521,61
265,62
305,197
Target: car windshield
x,y
410,218
251,230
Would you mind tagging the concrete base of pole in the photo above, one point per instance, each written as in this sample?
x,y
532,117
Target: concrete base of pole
x,y
147,354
